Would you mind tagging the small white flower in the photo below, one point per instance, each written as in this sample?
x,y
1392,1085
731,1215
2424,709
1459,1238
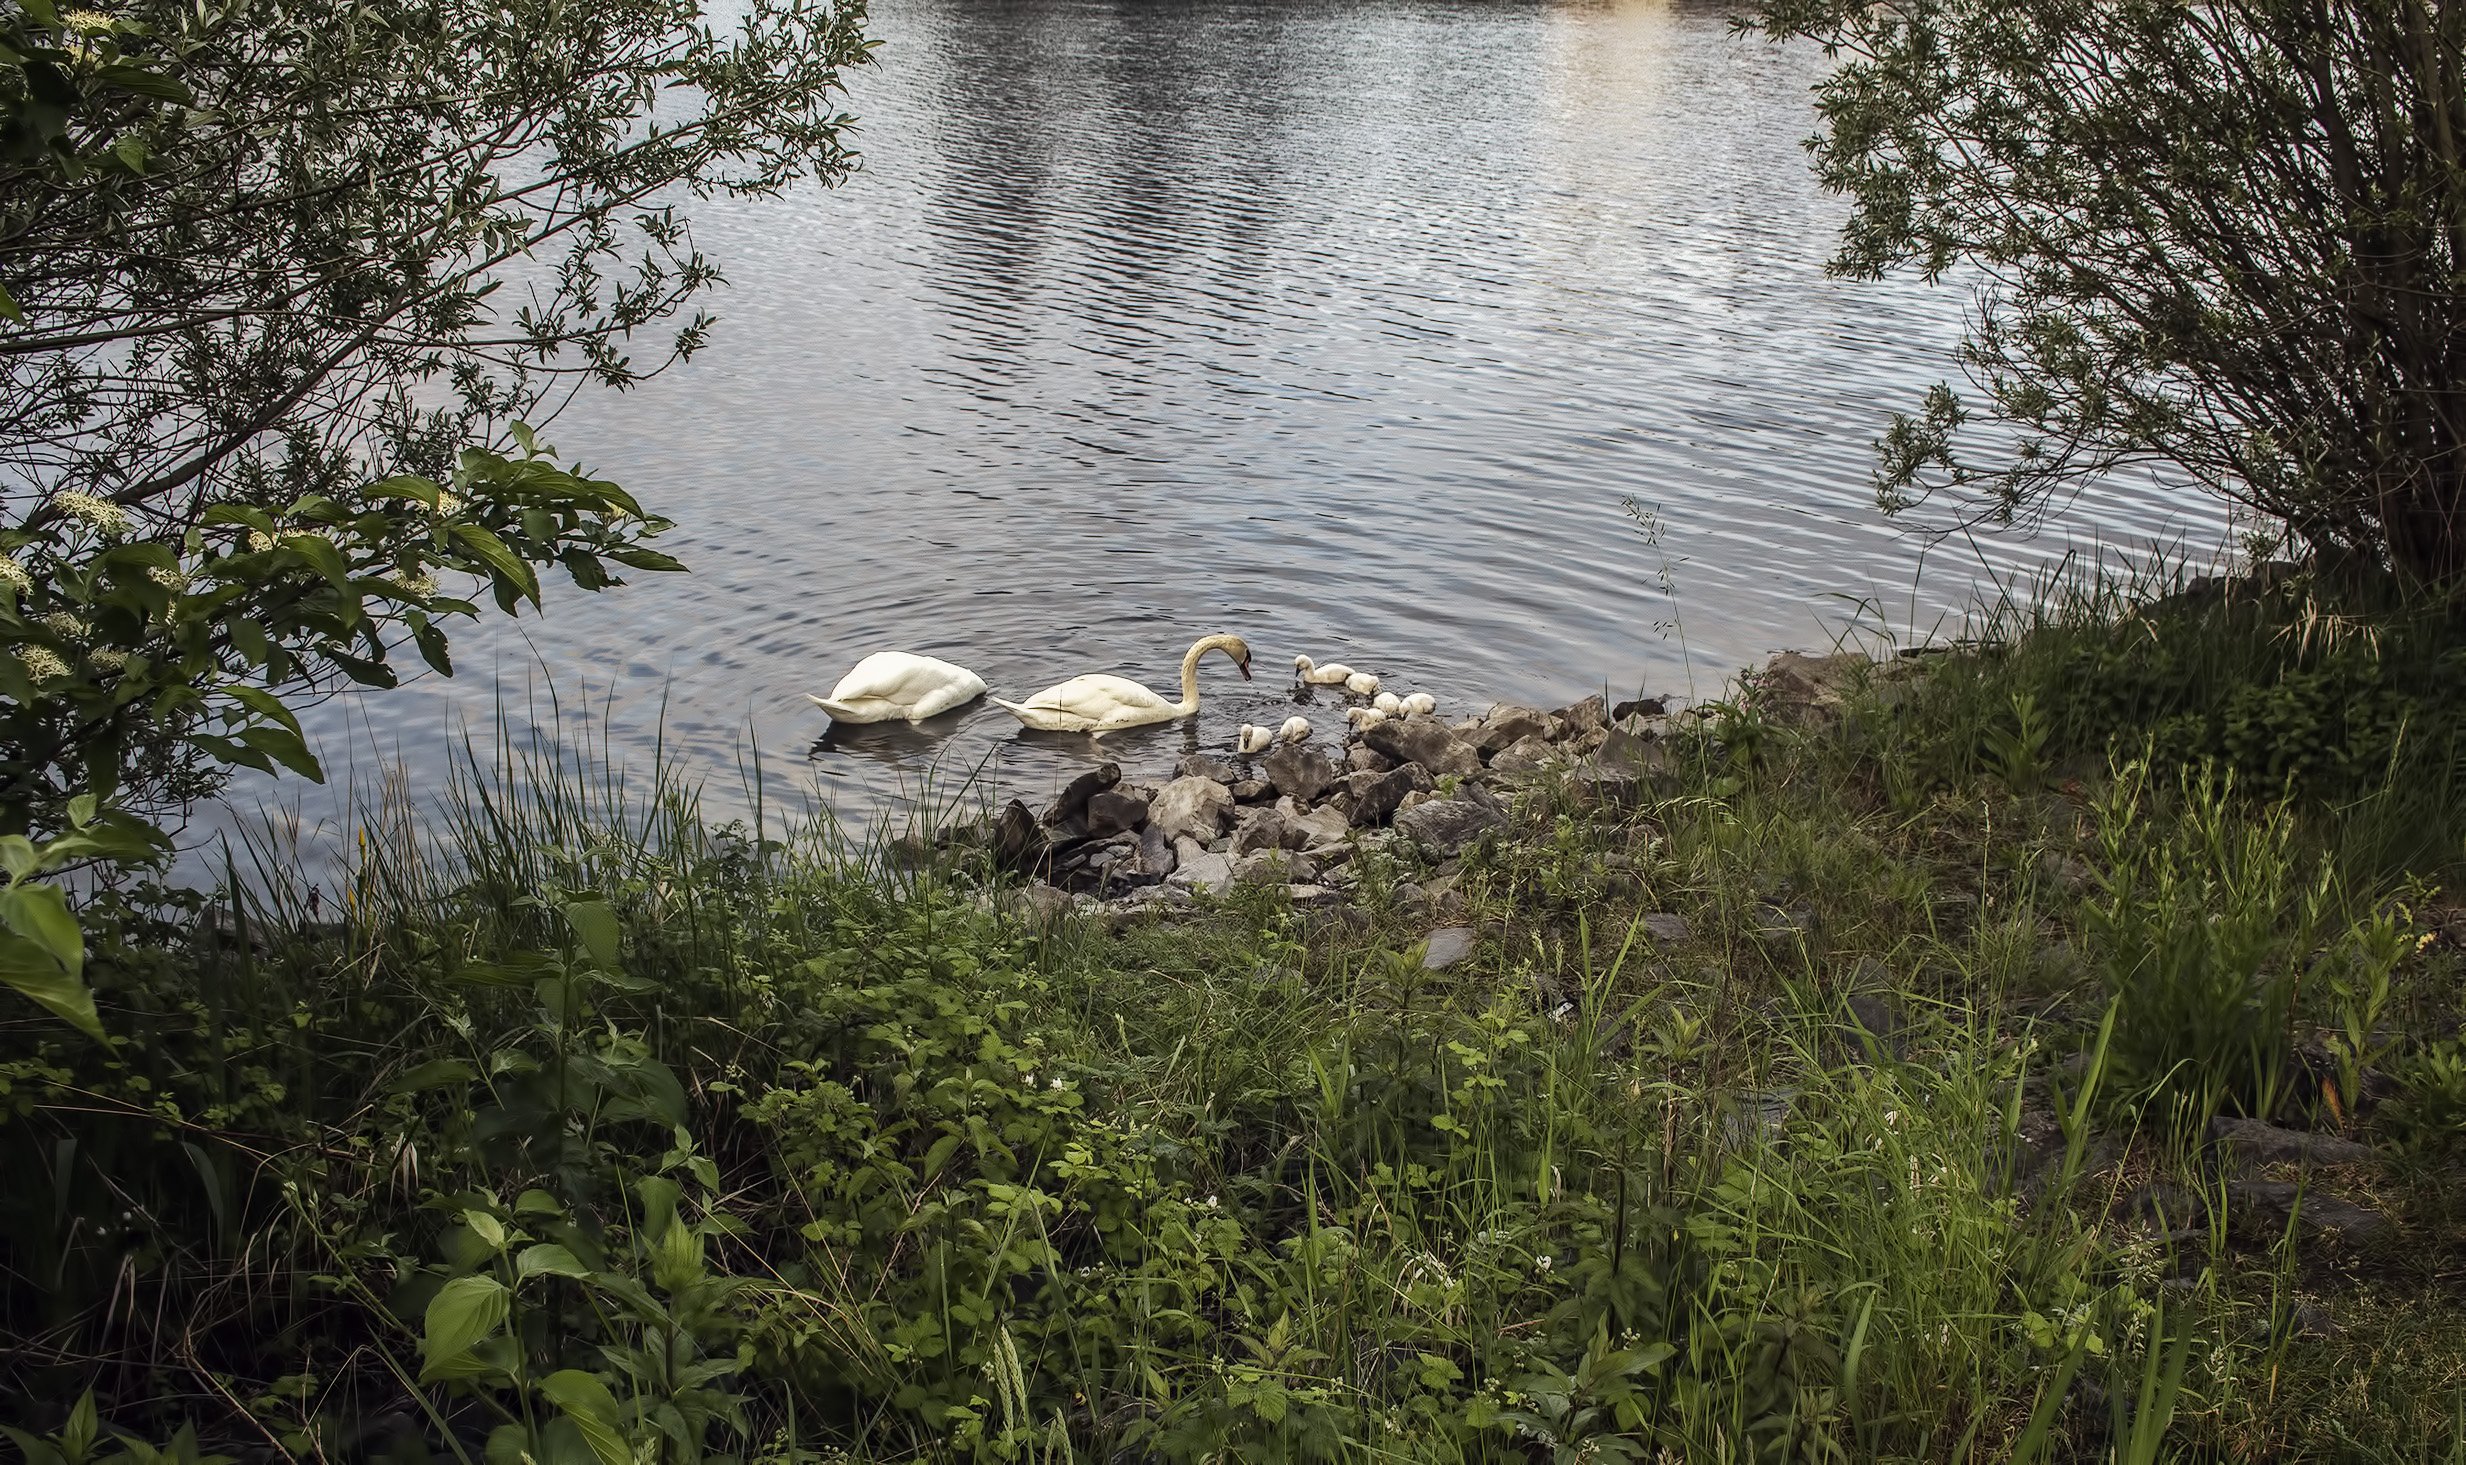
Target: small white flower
x,y
423,586
1056,1084
1542,1263
448,505
86,508
169,579
1212,1203
107,659
40,664
61,624
13,574
259,541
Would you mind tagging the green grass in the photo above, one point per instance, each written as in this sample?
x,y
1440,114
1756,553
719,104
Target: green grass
x,y
585,1130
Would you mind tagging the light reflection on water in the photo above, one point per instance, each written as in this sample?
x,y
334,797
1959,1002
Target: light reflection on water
x,y
1349,327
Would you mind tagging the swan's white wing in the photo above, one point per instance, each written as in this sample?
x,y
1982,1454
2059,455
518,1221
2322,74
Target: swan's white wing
x,y
905,678
1096,697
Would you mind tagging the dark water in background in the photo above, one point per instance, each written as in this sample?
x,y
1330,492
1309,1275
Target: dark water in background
x,y
1348,327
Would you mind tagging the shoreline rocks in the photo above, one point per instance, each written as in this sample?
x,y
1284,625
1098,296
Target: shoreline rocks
x,y
1298,815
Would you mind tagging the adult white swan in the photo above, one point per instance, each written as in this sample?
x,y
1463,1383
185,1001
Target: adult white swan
x,y
1099,704
895,686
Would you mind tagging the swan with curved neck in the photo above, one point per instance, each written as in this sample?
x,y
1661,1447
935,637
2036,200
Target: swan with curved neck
x,y
1097,703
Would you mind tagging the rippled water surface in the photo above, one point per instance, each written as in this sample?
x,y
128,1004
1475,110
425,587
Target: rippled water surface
x,y
1353,328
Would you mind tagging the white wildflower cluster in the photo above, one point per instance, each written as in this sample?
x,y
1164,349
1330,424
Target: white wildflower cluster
x,y
87,508
41,663
423,586
448,505
259,541
168,578
63,625
13,574
107,658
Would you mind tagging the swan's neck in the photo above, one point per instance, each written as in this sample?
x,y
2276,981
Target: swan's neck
x,y
1190,680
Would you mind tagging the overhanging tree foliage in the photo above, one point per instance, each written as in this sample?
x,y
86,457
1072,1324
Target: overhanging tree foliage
x,y
280,280
2228,237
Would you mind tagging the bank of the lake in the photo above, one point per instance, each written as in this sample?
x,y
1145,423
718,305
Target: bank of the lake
x,y
1964,1055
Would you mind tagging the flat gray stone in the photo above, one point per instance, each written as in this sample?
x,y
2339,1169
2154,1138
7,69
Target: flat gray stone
x,y
1668,929
1524,755
2255,1143
1201,870
1445,826
1579,718
1321,825
1299,771
1447,946
1508,724
1426,741
2261,1210
1371,797
1192,807
1079,791
1111,811
1214,770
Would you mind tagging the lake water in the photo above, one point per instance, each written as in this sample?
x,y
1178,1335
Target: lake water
x,y
1353,328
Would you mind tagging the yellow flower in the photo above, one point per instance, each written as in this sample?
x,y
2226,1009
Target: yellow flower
x,y
40,664
86,508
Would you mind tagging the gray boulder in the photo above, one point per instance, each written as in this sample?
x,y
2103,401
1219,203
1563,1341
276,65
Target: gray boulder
x,y
1214,770
1192,807
1510,723
1525,755
1156,857
1426,741
1667,928
1362,758
1274,867
1444,827
2253,1144
1579,718
1258,829
1113,810
1199,869
2260,1210
1319,826
1445,947
1079,791
1368,798
1300,772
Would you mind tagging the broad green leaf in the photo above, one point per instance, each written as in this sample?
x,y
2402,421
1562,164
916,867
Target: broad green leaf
x,y
504,561
597,925
547,1259
320,552
586,1401
18,855
463,1313
41,914
30,969
487,1228
436,1073
286,748
264,704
